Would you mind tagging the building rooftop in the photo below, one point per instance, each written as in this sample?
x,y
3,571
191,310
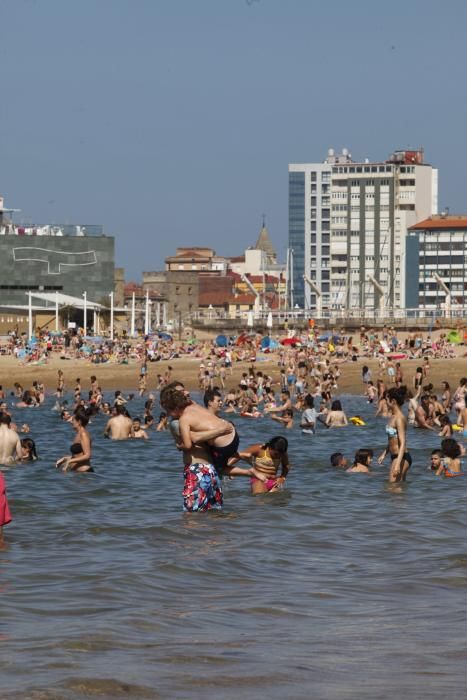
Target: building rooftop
x,y
441,221
7,228
131,287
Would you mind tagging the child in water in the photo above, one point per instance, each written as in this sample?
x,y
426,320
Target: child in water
x,y
267,459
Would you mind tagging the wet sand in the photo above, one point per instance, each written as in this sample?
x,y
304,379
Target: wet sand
x,y
113,376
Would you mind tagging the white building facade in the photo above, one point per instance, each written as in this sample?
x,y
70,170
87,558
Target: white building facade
x,y
348,225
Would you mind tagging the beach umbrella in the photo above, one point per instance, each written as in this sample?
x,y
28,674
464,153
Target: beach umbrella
x,y
221,341
250,319
265,343
269,320
291,341
165,336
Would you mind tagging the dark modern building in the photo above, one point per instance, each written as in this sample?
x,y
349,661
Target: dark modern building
x,y
67,259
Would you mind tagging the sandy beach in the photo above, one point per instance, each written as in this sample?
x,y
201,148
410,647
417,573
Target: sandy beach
x,y
114,376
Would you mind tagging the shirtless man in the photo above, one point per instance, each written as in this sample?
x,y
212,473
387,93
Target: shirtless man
x,y
423,417
195,419
10,443
202,486
285,406
119,426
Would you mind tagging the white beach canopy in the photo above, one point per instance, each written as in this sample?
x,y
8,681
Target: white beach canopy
x,y
67,300
59,300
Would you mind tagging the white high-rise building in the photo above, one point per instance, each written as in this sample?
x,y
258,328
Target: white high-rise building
x,y
348,225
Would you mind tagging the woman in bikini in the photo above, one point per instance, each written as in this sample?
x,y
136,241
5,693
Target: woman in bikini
x,y
80,460
268,459
396,431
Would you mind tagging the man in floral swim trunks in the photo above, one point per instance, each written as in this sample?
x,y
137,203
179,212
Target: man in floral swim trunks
x,y
202,484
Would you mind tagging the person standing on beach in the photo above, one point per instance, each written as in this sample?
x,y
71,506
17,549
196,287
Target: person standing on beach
x,y
10,443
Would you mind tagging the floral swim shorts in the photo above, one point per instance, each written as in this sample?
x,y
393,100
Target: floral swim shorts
x,y
202,489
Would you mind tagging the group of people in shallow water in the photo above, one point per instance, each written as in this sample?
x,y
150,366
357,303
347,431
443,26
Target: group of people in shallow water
x,y
210,444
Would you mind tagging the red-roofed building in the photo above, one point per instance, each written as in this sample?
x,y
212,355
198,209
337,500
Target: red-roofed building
x,y
195,259
437,248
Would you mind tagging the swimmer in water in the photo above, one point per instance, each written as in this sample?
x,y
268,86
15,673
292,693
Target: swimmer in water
x,y
202,489
308,418
338,460
162,423
28,449
336,417
286,419
267,459
120,425
396,431
212,400
137,432
196,419
362,461
446,426
80,449
10,444
450,462
435,460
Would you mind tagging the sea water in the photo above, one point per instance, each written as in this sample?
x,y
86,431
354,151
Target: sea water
x,y
340,586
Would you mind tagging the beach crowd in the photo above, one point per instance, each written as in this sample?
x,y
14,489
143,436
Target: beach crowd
x,y
302,393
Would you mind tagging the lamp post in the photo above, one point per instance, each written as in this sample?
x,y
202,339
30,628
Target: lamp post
x,y
133,312
111,295
146,316
158,314
29,315
56,311
85,312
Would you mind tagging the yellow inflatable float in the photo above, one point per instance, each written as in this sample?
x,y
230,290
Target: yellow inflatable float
x,y
356,420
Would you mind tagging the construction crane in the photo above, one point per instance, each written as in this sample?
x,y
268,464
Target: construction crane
x,y
319,295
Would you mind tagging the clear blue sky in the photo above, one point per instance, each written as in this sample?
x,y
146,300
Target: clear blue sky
x,y
172,122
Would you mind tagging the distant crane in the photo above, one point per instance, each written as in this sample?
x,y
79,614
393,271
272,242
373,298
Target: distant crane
x,y
380,290
319,295
253,291
445,288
